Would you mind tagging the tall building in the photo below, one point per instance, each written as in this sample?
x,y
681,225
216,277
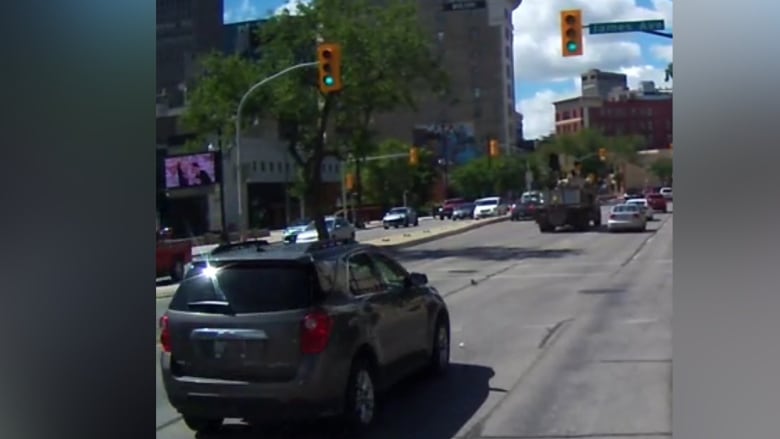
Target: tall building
x,y
186,29
606,104
474,40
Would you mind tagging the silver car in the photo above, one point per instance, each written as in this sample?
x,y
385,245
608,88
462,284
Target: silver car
x,y
400,216
626,217
644,206
339,229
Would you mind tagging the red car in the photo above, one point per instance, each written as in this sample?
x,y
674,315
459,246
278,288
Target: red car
x,y
657,202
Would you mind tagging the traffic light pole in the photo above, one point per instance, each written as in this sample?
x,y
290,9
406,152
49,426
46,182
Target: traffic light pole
x,y
239,109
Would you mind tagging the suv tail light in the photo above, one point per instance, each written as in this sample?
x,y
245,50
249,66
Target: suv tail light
x,y
315,332
165,334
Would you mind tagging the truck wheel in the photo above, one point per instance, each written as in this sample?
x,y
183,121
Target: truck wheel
x,y
546,227
597,221
177,271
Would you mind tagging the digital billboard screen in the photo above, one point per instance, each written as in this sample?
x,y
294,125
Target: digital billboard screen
x,y
193,170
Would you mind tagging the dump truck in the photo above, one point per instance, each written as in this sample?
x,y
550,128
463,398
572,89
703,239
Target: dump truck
x,y
574,205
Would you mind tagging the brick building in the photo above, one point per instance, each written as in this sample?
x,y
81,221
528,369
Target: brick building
x,y
606,104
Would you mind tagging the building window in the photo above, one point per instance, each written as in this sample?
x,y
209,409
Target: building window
x,y
287,166
509,93
279,166
508,33
508,52
262,166
254,166
473,33
509,71
271,166
477,112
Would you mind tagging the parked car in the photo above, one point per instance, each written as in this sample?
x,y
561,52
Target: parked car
x,y
489,206
338,229
400,216
525,207
463,211
172,255
626,217
667,193
446,209
644,206
297,332
657,202
291,232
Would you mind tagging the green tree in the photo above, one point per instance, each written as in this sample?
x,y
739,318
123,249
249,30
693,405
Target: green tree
x,y
487,176
584,145
662,168
386,180
669,73
386,62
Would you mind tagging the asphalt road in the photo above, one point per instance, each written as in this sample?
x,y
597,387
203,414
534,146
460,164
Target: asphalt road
x,y
554,336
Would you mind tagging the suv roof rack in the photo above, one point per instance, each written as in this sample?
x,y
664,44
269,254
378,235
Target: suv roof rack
x,y
258,244
329,244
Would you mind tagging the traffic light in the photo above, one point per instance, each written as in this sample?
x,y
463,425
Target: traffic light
x,y
603,154
571,32
493,149
414,156
329,59
349,181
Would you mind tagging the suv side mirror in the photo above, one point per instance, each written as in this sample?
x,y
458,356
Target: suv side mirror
x,y
417,279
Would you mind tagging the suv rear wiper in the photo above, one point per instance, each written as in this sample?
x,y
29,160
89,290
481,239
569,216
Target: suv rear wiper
x,y
209,304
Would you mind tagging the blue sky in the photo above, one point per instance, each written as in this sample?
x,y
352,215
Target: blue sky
x,y
541,74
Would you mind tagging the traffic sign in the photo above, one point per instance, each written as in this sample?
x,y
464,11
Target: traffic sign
x,y
626,26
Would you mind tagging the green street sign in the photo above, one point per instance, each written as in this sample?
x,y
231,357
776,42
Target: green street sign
x,y
625,26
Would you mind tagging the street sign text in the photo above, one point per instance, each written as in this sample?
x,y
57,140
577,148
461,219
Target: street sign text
x,y
626,26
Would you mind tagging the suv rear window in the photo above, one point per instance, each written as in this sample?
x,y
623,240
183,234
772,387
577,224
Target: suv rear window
x,y
248,288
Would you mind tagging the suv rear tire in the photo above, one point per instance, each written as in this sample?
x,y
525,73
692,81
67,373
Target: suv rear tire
x,y
440,352
202,425
361,402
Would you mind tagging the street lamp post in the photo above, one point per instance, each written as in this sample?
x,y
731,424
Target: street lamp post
x,y
241,103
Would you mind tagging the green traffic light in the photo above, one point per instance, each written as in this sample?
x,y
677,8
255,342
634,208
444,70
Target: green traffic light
x,y
571,46
329,81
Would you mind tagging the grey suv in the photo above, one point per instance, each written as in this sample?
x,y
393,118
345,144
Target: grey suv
x,y
297,332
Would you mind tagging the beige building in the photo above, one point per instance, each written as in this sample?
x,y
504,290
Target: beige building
x,y
475,42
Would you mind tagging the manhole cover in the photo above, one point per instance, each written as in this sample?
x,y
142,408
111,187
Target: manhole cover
x,y
462,271
602,291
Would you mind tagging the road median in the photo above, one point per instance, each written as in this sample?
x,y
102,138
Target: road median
x,y
417,237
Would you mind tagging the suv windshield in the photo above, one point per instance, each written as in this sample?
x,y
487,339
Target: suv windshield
x,y
398,210
487,202
247,288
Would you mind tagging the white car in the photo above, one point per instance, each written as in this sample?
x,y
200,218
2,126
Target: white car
x,y
666,192
400,216
489,206
626,217
644,206
338,228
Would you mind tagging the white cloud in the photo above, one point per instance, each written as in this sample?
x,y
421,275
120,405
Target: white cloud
x,y
291,6
537,47
539,113
663,52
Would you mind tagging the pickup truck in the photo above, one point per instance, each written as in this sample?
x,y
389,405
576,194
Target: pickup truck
x,y
447,208
172,255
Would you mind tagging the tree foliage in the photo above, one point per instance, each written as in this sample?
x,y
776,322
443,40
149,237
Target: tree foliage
x,y
386,63
663,169
585,144
486,176
386,180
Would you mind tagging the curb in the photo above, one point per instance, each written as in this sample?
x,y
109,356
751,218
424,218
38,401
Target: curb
x,y
442,235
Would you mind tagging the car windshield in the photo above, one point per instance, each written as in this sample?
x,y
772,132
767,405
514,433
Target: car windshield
x,y
625,208
328,224
299,223
529,198
398,210
491,202
637,201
